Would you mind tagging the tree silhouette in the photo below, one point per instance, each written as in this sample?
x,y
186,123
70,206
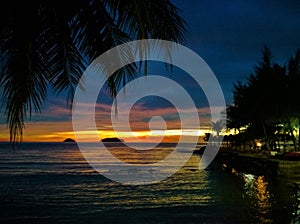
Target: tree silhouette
x,y
50,43
267,101
292,97
218,126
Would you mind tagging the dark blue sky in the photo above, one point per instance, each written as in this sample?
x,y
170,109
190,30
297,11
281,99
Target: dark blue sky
x,y
229,35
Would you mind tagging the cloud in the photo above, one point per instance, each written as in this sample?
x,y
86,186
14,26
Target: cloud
x,y
228,35
53,126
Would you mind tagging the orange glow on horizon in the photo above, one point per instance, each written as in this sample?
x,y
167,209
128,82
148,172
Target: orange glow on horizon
x,y
55,129
49,132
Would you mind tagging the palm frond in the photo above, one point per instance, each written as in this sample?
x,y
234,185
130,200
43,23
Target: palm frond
x,y
50,42
23,78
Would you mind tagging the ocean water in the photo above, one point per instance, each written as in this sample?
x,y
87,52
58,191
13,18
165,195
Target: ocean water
x,y
52,183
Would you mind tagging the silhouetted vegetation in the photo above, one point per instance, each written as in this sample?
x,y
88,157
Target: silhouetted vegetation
x,y
266,107
50,43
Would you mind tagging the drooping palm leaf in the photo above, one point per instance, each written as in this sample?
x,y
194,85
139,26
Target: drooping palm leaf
x,y
49,43
23,76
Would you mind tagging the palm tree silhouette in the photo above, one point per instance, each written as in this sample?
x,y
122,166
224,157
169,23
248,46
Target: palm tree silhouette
x,y
50,43
218,126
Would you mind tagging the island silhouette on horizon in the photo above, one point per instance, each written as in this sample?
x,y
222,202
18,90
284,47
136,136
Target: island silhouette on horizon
x,y
69,140
112,140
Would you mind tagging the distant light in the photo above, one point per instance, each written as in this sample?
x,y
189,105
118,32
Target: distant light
x,y
258,144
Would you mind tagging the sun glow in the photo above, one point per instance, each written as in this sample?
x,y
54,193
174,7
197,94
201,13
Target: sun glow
x,y
56,129
136,136
51,133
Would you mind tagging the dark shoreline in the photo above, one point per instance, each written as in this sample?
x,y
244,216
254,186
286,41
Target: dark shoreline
x,y
256,164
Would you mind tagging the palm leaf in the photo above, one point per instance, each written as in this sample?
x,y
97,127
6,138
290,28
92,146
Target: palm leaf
x,y
23,76
51,43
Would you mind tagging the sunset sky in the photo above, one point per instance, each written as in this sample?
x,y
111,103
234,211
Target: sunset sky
x,y
229,36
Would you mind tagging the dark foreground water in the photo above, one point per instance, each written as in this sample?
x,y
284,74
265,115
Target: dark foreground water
x,y
52,183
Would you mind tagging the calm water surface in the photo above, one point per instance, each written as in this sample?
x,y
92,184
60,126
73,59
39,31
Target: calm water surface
x,y
47,183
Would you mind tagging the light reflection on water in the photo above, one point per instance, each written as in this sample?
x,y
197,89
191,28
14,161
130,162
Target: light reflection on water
x,y
43,183
256,188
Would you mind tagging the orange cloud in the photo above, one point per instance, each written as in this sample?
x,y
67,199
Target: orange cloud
x,y
54,125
